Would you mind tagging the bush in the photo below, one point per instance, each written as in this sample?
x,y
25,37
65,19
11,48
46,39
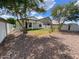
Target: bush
x,y
11,20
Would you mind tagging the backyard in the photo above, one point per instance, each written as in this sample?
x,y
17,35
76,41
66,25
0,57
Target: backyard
x,y
51,46
39,32
39,29
43,31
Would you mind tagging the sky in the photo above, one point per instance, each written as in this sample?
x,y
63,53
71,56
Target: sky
x,y
61,2
77,3
48,6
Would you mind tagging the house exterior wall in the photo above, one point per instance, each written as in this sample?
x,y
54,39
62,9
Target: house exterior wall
x,y
46,26
64,27
55,22
5,29
18,27
2,31
35,25
73,27
9,28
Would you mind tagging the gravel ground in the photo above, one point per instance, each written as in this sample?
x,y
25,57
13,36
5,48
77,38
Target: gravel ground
x,y
53,46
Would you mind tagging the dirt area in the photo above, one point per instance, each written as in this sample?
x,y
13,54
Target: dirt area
x,y
71,40
53,46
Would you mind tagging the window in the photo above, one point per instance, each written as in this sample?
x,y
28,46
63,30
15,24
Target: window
x,y
26,24
40,25
30,24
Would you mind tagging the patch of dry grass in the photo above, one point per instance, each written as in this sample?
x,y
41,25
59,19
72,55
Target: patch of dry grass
x,y
41,32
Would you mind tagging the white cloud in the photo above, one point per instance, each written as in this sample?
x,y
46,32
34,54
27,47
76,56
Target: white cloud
x,y
33,13
49,4
39,17
77,3
48,0
45,0
6,16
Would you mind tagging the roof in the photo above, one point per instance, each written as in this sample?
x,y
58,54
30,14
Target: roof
x,y
2,20
45,20
30,18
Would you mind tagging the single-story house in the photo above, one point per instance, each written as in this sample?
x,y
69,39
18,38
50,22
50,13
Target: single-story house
x,y
5,29
31,24
34,23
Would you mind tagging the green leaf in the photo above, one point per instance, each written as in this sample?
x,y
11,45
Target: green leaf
x,y
11,20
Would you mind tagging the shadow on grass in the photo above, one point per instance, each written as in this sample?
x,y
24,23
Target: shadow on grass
x,y
29,47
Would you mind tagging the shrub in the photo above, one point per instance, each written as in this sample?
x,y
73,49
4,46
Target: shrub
x,y
11,20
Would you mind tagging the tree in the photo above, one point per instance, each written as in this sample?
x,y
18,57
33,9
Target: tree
x,y
69,12
20,8
57,13
11,20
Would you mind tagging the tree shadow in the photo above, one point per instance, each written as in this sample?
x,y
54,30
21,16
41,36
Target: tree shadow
x,y
6,44
69,32
32,47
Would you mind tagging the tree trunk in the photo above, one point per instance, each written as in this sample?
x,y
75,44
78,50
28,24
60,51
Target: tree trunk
x,y
61,24
69,26
51,26
25,28
22,24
